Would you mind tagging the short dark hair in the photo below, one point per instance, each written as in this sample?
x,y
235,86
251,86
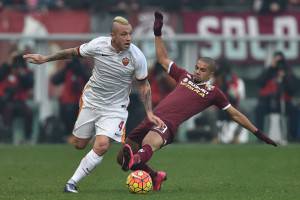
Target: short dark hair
x,y
211,63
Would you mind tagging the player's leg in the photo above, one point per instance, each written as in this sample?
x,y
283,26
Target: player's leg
x,y
91,159
134,146
153,141
83,131
133,143
157,176
79,143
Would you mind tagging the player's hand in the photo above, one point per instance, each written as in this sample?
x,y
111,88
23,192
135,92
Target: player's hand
x,y
158,23
259,134
156,120
35,58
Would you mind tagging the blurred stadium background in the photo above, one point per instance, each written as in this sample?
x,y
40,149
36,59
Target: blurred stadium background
x,y
242,35
38,104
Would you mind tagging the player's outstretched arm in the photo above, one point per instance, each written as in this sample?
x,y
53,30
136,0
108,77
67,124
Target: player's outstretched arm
x,y
60,55
145,93
161,51
246,123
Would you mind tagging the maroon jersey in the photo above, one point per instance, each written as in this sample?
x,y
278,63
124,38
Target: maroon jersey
x,y
187,99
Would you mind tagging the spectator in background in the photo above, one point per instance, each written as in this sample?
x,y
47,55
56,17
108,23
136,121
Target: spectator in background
x,y
16,83
269,6
294,5
277,87
234,88
51,4
161,84
73,77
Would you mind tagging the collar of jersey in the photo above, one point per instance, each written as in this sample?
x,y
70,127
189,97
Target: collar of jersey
x,y
114,49
205,83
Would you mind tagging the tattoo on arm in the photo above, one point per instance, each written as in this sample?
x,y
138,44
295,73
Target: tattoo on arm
x,y
146,95
63,54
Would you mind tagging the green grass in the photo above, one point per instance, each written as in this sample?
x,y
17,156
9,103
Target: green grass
x,y
195,171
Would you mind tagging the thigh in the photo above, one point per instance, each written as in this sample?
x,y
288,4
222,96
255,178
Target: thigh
x,y
85,124
139,133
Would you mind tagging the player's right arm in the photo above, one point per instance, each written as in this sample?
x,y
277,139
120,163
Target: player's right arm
x,y
161,51
60,55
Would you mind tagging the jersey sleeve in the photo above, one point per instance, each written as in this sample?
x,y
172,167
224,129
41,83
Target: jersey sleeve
x,y
88,49
221,100
175,71
141,68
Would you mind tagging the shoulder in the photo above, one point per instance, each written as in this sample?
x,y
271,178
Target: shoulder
x,y
176,71
100,41
214,89
136,52
137,55
218,92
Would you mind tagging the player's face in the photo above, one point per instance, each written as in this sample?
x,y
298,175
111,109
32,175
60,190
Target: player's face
x,y
202,72
121,37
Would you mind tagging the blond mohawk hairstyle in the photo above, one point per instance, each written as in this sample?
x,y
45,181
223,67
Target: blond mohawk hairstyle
x,y
121,20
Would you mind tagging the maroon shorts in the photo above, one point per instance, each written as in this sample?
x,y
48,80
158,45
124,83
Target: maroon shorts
x,y
138,134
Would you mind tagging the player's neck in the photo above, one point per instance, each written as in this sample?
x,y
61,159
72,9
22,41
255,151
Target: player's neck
x,y
203,82
115,47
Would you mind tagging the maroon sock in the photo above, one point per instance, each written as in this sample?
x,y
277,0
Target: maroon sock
x,y
144,154
146,168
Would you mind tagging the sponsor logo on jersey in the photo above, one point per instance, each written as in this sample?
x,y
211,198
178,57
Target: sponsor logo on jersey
x,y
185,80
125,61
194,87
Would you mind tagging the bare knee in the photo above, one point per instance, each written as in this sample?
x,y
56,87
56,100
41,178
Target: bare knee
x,y
79,146
101,145
79,143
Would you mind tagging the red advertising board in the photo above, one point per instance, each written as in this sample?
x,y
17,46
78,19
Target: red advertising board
x,y
213,24
54,21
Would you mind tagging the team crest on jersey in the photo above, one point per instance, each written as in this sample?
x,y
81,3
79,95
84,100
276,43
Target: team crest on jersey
x,y
125,61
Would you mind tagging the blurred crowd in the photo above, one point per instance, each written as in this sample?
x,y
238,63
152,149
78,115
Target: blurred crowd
x,y
16,83
127,6
276,111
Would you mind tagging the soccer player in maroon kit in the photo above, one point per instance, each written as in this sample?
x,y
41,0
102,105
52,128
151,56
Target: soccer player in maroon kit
x,y
193,94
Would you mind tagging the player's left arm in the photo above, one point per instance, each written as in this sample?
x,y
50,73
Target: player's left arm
x,y
241,119
160,49
146,97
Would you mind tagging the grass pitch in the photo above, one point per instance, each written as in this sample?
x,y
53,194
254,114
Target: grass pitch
x,y
195,171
